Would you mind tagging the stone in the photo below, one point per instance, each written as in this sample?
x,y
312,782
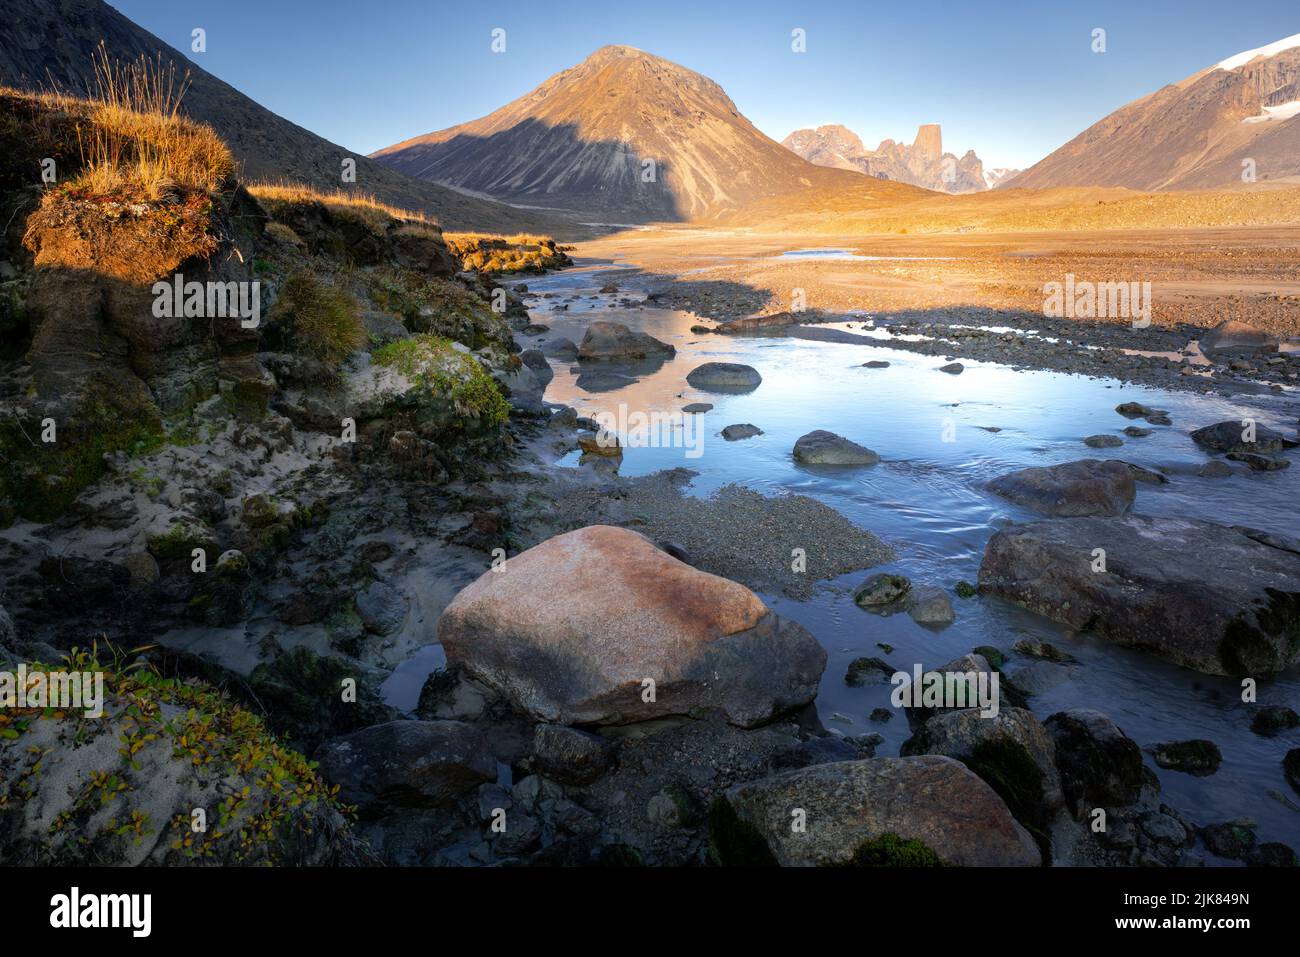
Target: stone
x,y
1100,766
613,340
930,606
1271,720
953,368
734,433
881,589
601,443
1231,436
1234,337
1154,594
724,377
827,448
1103,441
1198,756
407,763
862,670
382,608
1085,487
1215,469
925,810
142,567
570,756
582,625
696,408
876,364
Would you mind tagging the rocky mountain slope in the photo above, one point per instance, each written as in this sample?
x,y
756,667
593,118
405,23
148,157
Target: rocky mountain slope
x,y
52,44
1237,117
622,136
923,163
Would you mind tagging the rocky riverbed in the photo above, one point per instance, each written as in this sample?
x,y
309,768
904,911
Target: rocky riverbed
x,y
620,641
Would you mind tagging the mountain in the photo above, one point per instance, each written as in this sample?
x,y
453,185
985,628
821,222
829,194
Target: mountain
x,y
49,43
623,136
924,163
1193,134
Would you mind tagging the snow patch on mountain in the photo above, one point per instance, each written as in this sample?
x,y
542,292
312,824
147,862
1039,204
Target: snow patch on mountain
x,y
1273,49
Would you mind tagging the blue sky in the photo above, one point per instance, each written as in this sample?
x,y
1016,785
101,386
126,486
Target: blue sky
x,y
1010,79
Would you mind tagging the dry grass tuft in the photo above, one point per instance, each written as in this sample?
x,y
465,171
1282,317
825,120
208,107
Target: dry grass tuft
x,y
376,213
138,142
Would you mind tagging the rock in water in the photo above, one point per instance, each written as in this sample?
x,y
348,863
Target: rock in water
x,y
724,377
598,626
926,810
1153,592
742,430
1232,436
1100,765
827,448
953,368
613,340
1103,441
1085,487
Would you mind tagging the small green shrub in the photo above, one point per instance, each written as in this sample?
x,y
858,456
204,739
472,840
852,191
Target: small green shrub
x,y
326,321
457,376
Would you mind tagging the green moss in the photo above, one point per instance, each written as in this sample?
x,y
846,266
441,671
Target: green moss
x,y
965,589
440,308
734,842
434,365
40,480
179,542
995,658
890,850
1007,767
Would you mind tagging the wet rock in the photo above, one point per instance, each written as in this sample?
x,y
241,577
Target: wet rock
x,y
876,364
1291,769
1270,720
1012,752
613,340
1148,476
724,377
535,329
696,408
734,433
603,380
881,714
953,368
1272,854
965,589
1036,677
1153,593
601,443
881,589
625,633
1232,839
827,448
609,289
1103,441
1136,410
930,606
1136,432
1041,649
864,670
560,348
1232,436
1197,756
381,608
407,763
916,811
1215,469
1100,765
570,756
1260,463
536,361
522,832
815,751
1160,828
1085,487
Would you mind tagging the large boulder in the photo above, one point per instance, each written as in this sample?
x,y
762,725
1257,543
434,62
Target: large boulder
x,y
598,626
1234,337
724,377
407,763
1231,436
1152,590
907,811
826,448
1100,765
613,340
1085,487
1011,751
